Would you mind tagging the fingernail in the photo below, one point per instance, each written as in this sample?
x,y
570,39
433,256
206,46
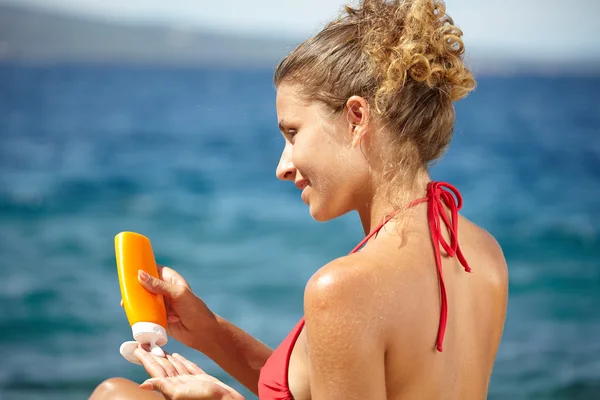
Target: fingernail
x,y
143,275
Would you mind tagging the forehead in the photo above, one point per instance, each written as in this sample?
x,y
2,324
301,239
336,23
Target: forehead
x,y
292,104
289,99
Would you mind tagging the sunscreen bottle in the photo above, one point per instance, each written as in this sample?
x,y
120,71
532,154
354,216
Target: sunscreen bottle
x,y
145,311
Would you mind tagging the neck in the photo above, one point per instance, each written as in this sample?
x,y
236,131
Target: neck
x,y
389,199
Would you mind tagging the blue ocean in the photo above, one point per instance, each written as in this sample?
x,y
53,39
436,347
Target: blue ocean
x,y
187,157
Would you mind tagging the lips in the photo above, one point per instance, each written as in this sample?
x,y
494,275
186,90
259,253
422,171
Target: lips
x,y
302,183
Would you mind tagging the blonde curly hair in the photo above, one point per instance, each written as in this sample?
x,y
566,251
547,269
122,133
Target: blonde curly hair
x,y
404,56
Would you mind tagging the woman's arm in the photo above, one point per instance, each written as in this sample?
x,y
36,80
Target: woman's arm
x,y
196,326
346,348
236,351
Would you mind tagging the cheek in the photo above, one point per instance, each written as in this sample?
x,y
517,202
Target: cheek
x,y
349,172
323,160
334,174
307,156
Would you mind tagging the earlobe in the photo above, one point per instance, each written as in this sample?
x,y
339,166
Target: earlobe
x,y
356,135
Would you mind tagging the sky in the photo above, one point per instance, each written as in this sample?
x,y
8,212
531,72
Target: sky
x,y
543,29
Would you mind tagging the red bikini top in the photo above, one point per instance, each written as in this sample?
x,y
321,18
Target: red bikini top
x,y
273,380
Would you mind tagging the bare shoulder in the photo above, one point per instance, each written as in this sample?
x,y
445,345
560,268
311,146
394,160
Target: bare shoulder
x,y
336,283
483,246
484,239
366,283
344,289
363,291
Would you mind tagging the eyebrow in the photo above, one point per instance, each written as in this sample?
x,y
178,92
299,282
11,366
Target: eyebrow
x,y
281,128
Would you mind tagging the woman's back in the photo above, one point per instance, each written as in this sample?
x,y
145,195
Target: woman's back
x,y
406,280
399,288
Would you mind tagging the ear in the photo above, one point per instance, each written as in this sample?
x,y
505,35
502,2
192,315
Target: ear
x,y
357,114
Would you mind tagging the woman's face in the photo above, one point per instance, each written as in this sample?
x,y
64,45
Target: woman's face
x,y
320,155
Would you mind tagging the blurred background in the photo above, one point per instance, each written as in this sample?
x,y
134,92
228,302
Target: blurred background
x,y
159,117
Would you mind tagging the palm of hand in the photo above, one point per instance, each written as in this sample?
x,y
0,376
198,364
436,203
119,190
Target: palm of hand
x,y
180,379
192,387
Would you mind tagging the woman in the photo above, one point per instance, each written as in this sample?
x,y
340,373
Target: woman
x,y
365,107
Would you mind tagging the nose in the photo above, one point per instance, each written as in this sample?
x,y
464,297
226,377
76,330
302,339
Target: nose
x,y
286,171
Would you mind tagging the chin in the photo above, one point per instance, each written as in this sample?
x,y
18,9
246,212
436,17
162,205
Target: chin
x,y
319,216
322,213
326,208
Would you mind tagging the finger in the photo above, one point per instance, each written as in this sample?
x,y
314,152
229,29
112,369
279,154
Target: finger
x,y
179,366
155,366
198,387
165,273
160,269
172,388
158,286
170,275
164,385
190,366
152,367
167,365
121,302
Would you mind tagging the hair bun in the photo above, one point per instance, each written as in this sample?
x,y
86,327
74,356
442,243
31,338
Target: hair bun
x,y
416,39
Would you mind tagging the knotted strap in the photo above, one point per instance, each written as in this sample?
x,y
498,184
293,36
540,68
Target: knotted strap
x,y
439,194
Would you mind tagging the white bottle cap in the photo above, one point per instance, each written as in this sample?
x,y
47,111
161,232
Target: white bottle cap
x,y
149,332
145,333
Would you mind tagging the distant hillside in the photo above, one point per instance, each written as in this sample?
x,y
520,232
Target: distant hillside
x,y
42,37
33,36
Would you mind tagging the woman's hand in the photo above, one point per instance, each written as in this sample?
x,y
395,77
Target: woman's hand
x,y
192,387
170,365
189,319
178,378
194,325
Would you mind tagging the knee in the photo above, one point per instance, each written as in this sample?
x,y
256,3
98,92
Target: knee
x,y
113,389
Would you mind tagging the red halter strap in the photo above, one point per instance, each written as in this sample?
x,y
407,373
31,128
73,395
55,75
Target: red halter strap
x,y
439,194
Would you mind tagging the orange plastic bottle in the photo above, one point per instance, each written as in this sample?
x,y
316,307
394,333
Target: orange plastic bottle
x,y
145,311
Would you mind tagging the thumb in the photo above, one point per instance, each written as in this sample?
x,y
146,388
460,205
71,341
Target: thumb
x,y
158,286
163,385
